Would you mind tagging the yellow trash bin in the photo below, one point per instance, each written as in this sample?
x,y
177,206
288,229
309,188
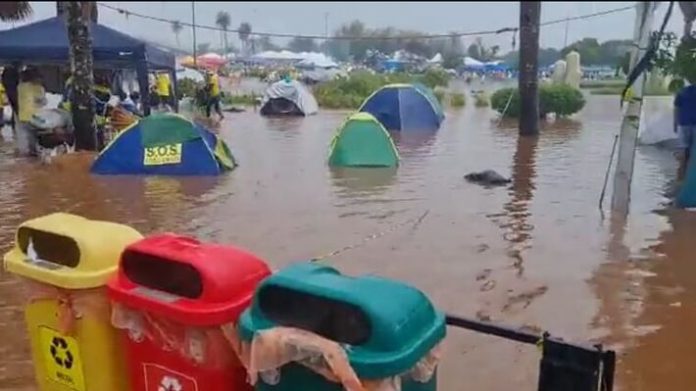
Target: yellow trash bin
x,y
65,261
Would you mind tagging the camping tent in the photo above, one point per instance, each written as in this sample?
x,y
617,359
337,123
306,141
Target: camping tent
x,y
288,98
165,144
409,107
363,142
46,42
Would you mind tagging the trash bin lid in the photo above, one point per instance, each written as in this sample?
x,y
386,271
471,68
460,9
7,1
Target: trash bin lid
x,y
186,280
68,251
388,325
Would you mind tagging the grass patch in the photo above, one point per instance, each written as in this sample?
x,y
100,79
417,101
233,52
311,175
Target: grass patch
x,y
349,92
457,100
242,99
482,100
600,84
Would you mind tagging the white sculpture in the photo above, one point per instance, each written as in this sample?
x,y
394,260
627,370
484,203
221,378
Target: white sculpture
x,y
559,71
573,72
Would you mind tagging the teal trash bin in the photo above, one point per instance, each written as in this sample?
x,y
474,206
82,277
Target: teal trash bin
x,y
386,327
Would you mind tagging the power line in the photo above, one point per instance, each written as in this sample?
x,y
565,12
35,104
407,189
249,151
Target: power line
x,y
128,13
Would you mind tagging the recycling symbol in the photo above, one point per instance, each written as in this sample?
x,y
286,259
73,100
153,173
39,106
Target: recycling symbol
x,y
60,353
169,383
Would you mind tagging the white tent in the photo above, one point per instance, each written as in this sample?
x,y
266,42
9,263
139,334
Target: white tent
x,y
318,60
472,62
437,59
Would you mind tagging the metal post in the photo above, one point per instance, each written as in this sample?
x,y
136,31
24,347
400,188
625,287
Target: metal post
x,y
530,15
565,39
193,22
621,196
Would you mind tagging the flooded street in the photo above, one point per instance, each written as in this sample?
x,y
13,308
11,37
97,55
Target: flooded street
x,y
536,254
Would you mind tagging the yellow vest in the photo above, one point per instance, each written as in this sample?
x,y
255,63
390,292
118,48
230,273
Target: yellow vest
x,y
29,98
163,84
214,86
3,98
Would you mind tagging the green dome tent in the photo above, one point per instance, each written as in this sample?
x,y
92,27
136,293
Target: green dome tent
x,y
362,141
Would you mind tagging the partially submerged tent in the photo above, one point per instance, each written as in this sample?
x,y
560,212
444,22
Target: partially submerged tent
x,y
408,107
288,98
46,42
363,142
165,144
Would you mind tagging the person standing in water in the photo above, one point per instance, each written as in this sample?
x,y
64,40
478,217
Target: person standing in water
x,y
10,80
213,87
31,97
685,122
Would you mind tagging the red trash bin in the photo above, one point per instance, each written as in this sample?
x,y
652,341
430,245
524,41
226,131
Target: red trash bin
x,y
171,297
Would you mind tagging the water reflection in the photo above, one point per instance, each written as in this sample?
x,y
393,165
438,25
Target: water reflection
x,y
352,182
412,144
519,229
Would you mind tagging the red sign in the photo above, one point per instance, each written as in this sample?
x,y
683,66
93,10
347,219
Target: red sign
x,y
159,378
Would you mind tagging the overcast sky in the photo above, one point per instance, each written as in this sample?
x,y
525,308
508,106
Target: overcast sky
x,y
309,18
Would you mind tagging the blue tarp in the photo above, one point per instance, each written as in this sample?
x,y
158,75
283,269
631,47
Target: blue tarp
x,y
46,41
164,144
405,107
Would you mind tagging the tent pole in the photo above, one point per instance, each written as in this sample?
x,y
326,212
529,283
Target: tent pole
x,y
144,84
175,89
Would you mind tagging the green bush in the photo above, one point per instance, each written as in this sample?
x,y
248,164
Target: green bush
x,y
435,78
482,100
500,99
440,95
187,88
349,92
457,99
560,99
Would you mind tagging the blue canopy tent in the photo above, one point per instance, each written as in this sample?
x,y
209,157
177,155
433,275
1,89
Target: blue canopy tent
x,y
46,42
407,107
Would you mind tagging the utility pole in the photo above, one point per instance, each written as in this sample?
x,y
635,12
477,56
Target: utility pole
x,y
530,16
193,23
326,33
621,196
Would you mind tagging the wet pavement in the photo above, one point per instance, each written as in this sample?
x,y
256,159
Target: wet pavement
x,y
537,253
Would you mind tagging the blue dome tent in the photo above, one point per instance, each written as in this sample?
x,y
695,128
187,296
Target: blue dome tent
x,y
407,107
165,144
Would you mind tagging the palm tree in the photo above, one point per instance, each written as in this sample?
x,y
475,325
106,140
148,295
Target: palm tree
x,y
223,21
13,11
244,32
176,29
77,15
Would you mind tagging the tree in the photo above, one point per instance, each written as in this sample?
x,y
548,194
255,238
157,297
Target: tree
x,y
223,21
264,43
13,11
91,13
480,52
82,104
301,44
244,32
530,15
546,57
176,29
203,48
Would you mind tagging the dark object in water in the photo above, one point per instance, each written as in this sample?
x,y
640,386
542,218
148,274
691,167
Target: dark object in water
x,y
233,109
487,178
281,106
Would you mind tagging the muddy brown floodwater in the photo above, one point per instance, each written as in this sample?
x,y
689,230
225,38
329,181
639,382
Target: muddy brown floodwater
x,y
536,254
